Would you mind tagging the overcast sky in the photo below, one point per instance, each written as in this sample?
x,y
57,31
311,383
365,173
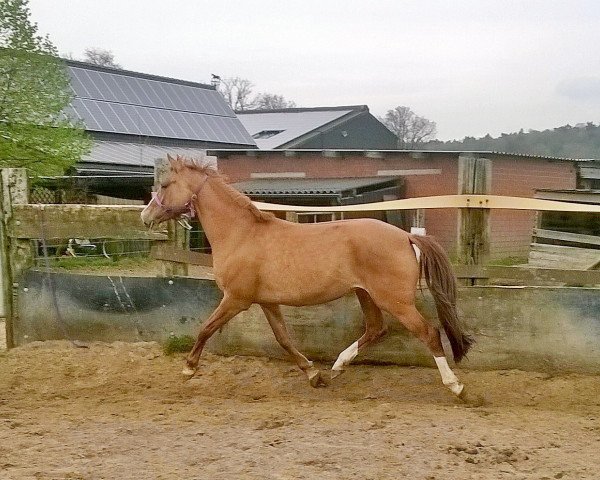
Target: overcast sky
x,y
473,67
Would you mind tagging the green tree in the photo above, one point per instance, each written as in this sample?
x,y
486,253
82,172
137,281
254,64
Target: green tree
x,y
581,141
36,131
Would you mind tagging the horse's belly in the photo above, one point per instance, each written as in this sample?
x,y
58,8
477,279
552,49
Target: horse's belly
x,y
303,291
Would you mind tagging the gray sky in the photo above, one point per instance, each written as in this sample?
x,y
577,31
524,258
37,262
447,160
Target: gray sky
x,y
473,67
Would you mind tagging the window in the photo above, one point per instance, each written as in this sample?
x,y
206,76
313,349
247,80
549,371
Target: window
x,y
310,217
266,134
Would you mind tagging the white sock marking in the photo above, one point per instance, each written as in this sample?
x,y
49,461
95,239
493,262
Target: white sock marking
x,y
346,357
448,377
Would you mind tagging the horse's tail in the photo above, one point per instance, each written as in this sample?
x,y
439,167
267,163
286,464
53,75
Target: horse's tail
x,y
436,268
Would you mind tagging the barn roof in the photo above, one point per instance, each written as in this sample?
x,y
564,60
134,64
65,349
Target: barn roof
x,y
110,100
138,154
281,128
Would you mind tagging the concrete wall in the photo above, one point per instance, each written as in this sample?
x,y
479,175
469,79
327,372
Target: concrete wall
x,y
537,328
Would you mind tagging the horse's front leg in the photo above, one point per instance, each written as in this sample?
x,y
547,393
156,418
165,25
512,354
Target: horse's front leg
x,y
275,318
227,309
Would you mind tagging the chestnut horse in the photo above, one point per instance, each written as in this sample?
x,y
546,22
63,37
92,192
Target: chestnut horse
x,y
261,259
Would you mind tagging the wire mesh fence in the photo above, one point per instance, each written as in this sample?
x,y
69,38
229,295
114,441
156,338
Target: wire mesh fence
x,y
40,194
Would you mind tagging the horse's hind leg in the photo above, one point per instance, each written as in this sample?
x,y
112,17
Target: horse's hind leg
x,y
410,317
275,318
374,330
227,309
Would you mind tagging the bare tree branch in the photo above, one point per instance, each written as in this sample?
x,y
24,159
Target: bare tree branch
x,y
98,56
270,101
411,129
237,92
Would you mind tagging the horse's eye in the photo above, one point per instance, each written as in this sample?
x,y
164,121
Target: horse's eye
x,y
166,184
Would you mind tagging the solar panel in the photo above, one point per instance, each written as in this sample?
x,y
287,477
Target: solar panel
x,y
120,102
153,122
123,88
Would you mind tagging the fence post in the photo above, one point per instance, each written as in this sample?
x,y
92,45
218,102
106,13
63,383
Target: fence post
x,y
474,177
15,255
178,236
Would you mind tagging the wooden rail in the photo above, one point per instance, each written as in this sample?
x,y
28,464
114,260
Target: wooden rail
x,y
33,221
528,276
174,254
492,273
566,237
445,201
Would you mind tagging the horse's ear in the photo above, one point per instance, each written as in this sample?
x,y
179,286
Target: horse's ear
x,y
170,158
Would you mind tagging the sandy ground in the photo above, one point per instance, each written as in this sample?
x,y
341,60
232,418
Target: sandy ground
x,y
122,411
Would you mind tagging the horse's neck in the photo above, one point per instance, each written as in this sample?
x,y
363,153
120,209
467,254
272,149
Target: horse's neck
x,y
221,217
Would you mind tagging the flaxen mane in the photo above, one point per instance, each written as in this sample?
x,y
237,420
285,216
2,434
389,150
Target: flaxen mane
x,y
238,197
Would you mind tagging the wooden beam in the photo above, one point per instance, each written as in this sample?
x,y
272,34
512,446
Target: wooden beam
x,y
79,221
444,201
474,177
567,237
528,276
173,254
17,255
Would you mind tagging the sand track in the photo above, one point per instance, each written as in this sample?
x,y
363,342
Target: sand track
x,y
123,411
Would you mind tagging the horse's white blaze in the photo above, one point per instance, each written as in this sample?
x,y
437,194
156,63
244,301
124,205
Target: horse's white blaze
x,y
144,213
448,377
346,357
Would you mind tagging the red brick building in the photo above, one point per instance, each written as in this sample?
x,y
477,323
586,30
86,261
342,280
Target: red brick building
x,y
422,173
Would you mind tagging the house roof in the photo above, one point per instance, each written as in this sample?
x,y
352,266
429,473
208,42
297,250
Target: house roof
x,y
118,101
310,186
278,128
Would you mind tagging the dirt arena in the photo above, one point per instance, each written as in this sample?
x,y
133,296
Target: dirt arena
x,y
122,411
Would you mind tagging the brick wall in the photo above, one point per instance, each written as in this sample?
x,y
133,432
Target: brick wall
x,y
511,230
437,175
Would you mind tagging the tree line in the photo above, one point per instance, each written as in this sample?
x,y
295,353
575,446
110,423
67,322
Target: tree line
x,y
579,141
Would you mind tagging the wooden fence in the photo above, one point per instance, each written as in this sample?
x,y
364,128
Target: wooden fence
x,y
21,224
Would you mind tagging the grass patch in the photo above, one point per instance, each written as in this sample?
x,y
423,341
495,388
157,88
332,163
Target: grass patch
x,y
182,344
95,263
508,261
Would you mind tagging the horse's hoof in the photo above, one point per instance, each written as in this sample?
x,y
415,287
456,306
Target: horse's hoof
x,y
316,379
336,373
188,372
456,388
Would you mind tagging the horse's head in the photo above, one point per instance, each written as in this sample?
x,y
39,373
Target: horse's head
x,y
175,195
